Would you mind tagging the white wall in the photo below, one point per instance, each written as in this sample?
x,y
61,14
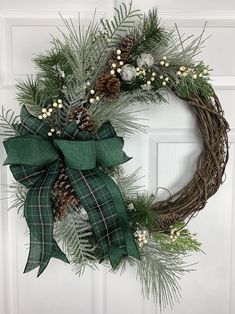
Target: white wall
x,y
24,30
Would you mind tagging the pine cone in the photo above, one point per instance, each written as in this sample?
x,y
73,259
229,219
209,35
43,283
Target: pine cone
x,y
82,117
108,86
63,195
126,45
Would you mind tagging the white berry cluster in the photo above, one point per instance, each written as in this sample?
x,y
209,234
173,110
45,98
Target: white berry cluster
x,y
175,233
46,112
165,79
185,71
141,237
115,67
164,62
150,79
93,97
53,131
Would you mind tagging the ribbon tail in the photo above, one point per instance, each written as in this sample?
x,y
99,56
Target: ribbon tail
x,y
131,247
39,217
56,253
103,202
115,255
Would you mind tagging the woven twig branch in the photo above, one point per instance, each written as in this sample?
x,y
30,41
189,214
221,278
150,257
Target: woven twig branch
x,y
210,165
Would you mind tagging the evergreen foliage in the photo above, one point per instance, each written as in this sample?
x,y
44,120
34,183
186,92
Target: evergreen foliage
x,y
8,123
159,272
77,240
69,71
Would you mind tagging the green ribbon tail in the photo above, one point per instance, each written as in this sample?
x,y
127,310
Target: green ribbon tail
x,y
102,200
40,220
131,249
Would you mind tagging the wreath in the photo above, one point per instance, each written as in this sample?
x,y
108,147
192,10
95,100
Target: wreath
x,y
65,150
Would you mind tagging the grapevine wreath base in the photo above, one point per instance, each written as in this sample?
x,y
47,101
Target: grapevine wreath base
x,y
65,154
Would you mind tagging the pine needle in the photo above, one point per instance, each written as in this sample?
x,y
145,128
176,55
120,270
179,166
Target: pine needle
x,y
8,123
159,273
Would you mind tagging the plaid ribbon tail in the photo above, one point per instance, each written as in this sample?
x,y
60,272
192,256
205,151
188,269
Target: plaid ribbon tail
x,y
103,202
39,214
130,244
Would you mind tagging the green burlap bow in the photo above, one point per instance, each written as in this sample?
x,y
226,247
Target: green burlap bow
x,y
34,160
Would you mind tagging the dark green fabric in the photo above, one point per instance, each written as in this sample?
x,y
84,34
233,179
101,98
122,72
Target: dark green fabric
x,y
100,196
42,152
80,155
34,160
38,213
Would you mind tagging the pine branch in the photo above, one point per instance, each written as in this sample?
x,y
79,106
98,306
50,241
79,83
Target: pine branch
x,y
8,123
17,194
159,272
120,113
127,182
76,237
31,95
148,34
181,245
121,24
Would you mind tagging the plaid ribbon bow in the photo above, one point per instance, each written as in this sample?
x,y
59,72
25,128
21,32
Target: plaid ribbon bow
x,y
34,161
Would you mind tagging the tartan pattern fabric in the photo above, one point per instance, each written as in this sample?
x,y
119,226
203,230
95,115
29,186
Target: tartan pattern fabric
x,y
96,199
32,125
38,213
99,203
104,204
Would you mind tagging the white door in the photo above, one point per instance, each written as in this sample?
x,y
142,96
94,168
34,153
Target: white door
x,y
162,153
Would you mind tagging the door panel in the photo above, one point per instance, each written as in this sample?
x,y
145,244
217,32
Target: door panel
x,y
166,153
